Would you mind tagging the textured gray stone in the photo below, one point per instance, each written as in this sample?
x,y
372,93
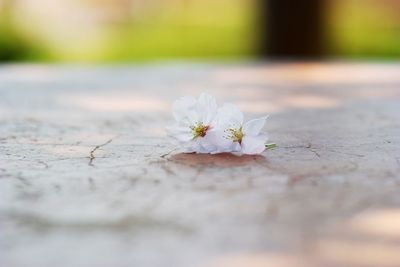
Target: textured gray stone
x,y
88,178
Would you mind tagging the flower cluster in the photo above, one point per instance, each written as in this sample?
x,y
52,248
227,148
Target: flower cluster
x,y
202,127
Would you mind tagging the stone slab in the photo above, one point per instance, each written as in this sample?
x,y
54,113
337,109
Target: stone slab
x,y
88,178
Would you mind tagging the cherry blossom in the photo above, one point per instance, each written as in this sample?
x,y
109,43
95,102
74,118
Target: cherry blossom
x,y
202,127
195,118
232,135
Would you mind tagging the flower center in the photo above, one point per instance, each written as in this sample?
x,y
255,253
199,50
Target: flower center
x,y
236,134
199,130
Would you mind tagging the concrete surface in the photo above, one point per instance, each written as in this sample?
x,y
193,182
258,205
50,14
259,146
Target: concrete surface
x,y
88,178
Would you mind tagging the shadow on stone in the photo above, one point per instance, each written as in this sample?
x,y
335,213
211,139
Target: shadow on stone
x,y
220,160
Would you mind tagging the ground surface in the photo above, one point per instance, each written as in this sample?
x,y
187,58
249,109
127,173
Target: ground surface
x,y
87,176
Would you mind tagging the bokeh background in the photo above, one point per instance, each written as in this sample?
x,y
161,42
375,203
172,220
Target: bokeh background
x,y
148,30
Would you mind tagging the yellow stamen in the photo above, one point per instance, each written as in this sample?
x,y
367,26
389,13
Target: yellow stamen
x,y
199,130
236,134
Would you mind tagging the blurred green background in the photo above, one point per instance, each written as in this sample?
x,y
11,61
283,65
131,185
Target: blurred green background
x,y
144,30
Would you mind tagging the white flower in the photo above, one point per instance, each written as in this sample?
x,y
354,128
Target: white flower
x,y
232,135
195,119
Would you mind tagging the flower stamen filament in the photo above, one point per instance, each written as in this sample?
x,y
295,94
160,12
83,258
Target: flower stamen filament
x,y
199,130
236,134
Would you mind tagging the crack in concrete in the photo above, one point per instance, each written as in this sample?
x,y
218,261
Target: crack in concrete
x,y
46,166
345,153
312,149
24,181
168,153
91,154
309,147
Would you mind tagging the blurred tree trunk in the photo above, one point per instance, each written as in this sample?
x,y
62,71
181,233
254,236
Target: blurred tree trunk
x,y
292,28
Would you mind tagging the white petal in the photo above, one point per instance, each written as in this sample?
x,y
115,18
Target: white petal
x,y
187,150
221,143
200,145
252,145
236,147
254,127
263,136
191,147
206,145
206,107
229,116
184,110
